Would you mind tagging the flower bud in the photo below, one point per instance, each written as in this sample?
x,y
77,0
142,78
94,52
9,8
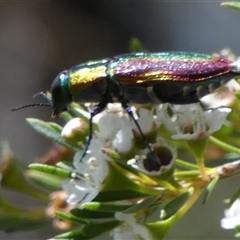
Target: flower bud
x,y
75,131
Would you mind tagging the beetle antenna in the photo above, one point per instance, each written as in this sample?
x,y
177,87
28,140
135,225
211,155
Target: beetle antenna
x,y
31,105
44,95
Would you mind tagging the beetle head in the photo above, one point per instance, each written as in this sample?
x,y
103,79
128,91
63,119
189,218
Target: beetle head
x,y
61,96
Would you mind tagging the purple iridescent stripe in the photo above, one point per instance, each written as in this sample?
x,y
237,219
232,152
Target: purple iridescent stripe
x,y
131,69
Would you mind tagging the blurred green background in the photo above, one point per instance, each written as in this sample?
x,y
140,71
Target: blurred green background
x,y
38,39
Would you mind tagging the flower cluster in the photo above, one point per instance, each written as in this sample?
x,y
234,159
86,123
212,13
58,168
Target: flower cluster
x,y
118,160
128,180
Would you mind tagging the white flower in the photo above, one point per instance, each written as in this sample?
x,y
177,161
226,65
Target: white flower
x,y
223,97
124,140
191,121
163,159
92,171
79,191
232,216
130,229
145,121
226,53
109,124
115,130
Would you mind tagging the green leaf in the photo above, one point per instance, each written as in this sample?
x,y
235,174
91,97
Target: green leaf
x,y
108,196
234,197
209,189
89,231
119,179
75,234
232,5
159,229
13,177
66,116
64,165
142,205
45,180
56,171
187,175
224,145
105,207
172,207
184,164
84,213
237,228
79,111
55,126
70,217
114,155
23,221
51,131
136,46
100,228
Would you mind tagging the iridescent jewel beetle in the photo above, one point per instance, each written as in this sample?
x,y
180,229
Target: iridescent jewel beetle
x,y
139,78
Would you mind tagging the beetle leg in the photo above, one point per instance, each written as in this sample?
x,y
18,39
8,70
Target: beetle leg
x,y
156,166
95,111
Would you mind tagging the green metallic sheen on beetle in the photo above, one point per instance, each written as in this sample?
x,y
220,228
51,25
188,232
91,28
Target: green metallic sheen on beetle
x,y
142,78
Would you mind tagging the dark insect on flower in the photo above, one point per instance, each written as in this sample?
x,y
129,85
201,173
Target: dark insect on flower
x,y
139,78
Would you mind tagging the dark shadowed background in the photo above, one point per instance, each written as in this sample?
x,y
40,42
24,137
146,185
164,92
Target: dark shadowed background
x,y
38,39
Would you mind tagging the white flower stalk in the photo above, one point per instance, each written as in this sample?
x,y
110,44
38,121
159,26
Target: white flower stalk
x,y
191,122
232,216
130,229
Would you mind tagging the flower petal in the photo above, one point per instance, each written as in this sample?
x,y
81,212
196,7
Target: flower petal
x,y
232,216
